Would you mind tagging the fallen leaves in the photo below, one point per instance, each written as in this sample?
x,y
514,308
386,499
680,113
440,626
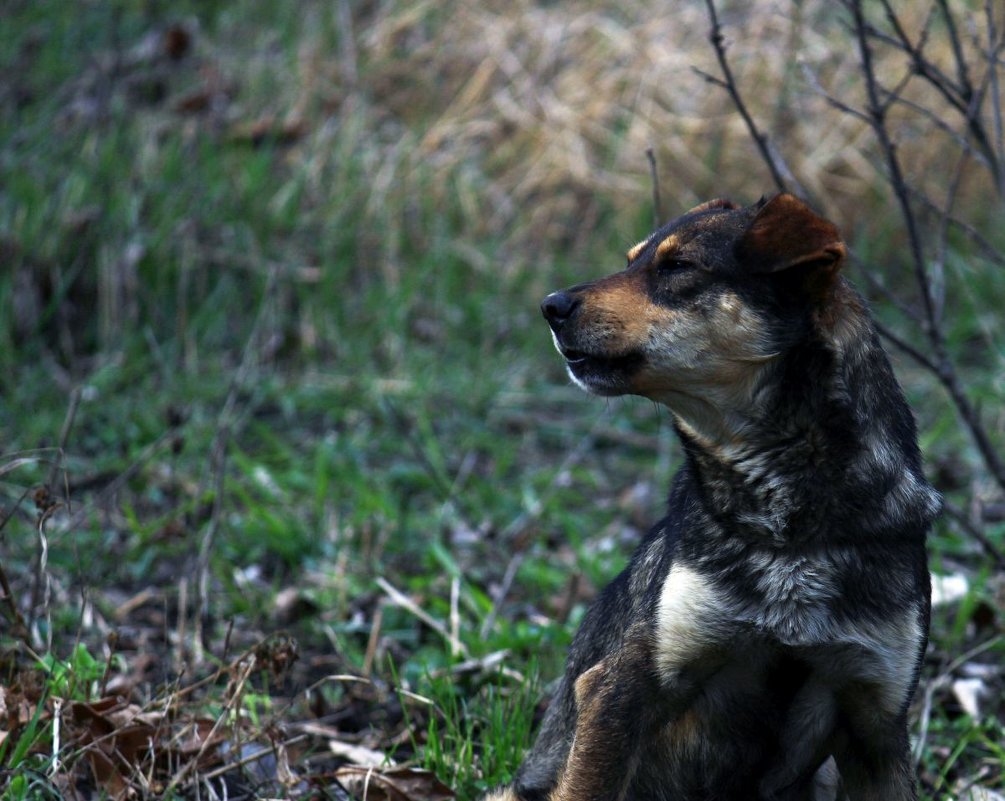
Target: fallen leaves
x,y
392,784
204,733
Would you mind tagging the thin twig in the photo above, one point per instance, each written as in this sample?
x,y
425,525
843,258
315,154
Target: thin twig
x,y
935,120
399,598
962,70
655,178
254,756
455,614
995,45
64,436
840,105
877,119
941,681
770,157
960,94
964,522
988,251
504,587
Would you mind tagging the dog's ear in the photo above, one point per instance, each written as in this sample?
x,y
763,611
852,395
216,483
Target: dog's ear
x,y
718,203
786,233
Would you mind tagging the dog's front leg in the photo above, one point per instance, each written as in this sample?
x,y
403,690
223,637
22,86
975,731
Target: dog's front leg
x,y
875,761
618,705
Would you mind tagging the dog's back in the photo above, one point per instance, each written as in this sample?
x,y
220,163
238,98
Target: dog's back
x,y
777,616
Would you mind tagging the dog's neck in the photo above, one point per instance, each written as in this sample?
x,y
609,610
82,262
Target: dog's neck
x,y
821,442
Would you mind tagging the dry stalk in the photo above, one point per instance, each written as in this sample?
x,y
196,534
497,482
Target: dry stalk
x,y
233,702
218,462
399,598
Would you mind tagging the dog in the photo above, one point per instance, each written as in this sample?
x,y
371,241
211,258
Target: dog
x,y
766,638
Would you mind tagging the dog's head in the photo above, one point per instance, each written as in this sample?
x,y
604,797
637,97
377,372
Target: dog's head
x,y
705,304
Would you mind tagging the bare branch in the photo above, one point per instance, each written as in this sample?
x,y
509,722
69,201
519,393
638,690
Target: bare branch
x,y
960,94
989,251
936,121
841,106
867,272
942,370
770,157
974,531
877,119
962,70
906,347
940,365
994,50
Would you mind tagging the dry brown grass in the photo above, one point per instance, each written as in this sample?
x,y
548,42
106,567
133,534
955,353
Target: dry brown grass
x,y
529,114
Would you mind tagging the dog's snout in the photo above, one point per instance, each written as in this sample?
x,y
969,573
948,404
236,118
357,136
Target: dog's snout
x,y
558,307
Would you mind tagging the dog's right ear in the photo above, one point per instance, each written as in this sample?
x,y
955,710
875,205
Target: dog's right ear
x,y
785,234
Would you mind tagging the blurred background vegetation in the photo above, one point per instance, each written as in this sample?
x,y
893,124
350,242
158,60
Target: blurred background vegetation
x,y
271,360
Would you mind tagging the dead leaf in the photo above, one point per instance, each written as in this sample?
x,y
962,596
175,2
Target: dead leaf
x,y
948,589
393,784
359,755
292,605
269,130
115,741
968,693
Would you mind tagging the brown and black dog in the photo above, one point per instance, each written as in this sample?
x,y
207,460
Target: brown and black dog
x,y
772,625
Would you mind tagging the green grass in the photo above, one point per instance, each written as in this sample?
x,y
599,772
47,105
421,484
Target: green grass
x,y
368,353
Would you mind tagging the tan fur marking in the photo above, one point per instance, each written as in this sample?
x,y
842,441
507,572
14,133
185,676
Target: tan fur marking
x,y
636,249
685,731
717,203
667,246
616,318
603,757
586,684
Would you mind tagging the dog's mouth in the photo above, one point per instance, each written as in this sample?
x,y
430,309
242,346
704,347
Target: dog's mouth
x,y
603,374
573,356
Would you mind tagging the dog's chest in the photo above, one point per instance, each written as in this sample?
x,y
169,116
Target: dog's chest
x,y
786,598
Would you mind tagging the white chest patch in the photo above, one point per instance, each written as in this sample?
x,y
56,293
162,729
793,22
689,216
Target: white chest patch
x,y
690,611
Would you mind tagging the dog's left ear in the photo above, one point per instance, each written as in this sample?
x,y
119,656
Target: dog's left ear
x,y
785,234
718,203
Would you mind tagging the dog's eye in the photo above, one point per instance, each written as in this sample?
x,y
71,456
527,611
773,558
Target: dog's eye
x,y
674,265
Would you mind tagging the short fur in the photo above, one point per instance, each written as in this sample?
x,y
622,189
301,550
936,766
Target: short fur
x,y
773,623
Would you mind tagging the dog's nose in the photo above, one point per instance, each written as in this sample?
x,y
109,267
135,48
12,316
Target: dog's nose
x,y
558,307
